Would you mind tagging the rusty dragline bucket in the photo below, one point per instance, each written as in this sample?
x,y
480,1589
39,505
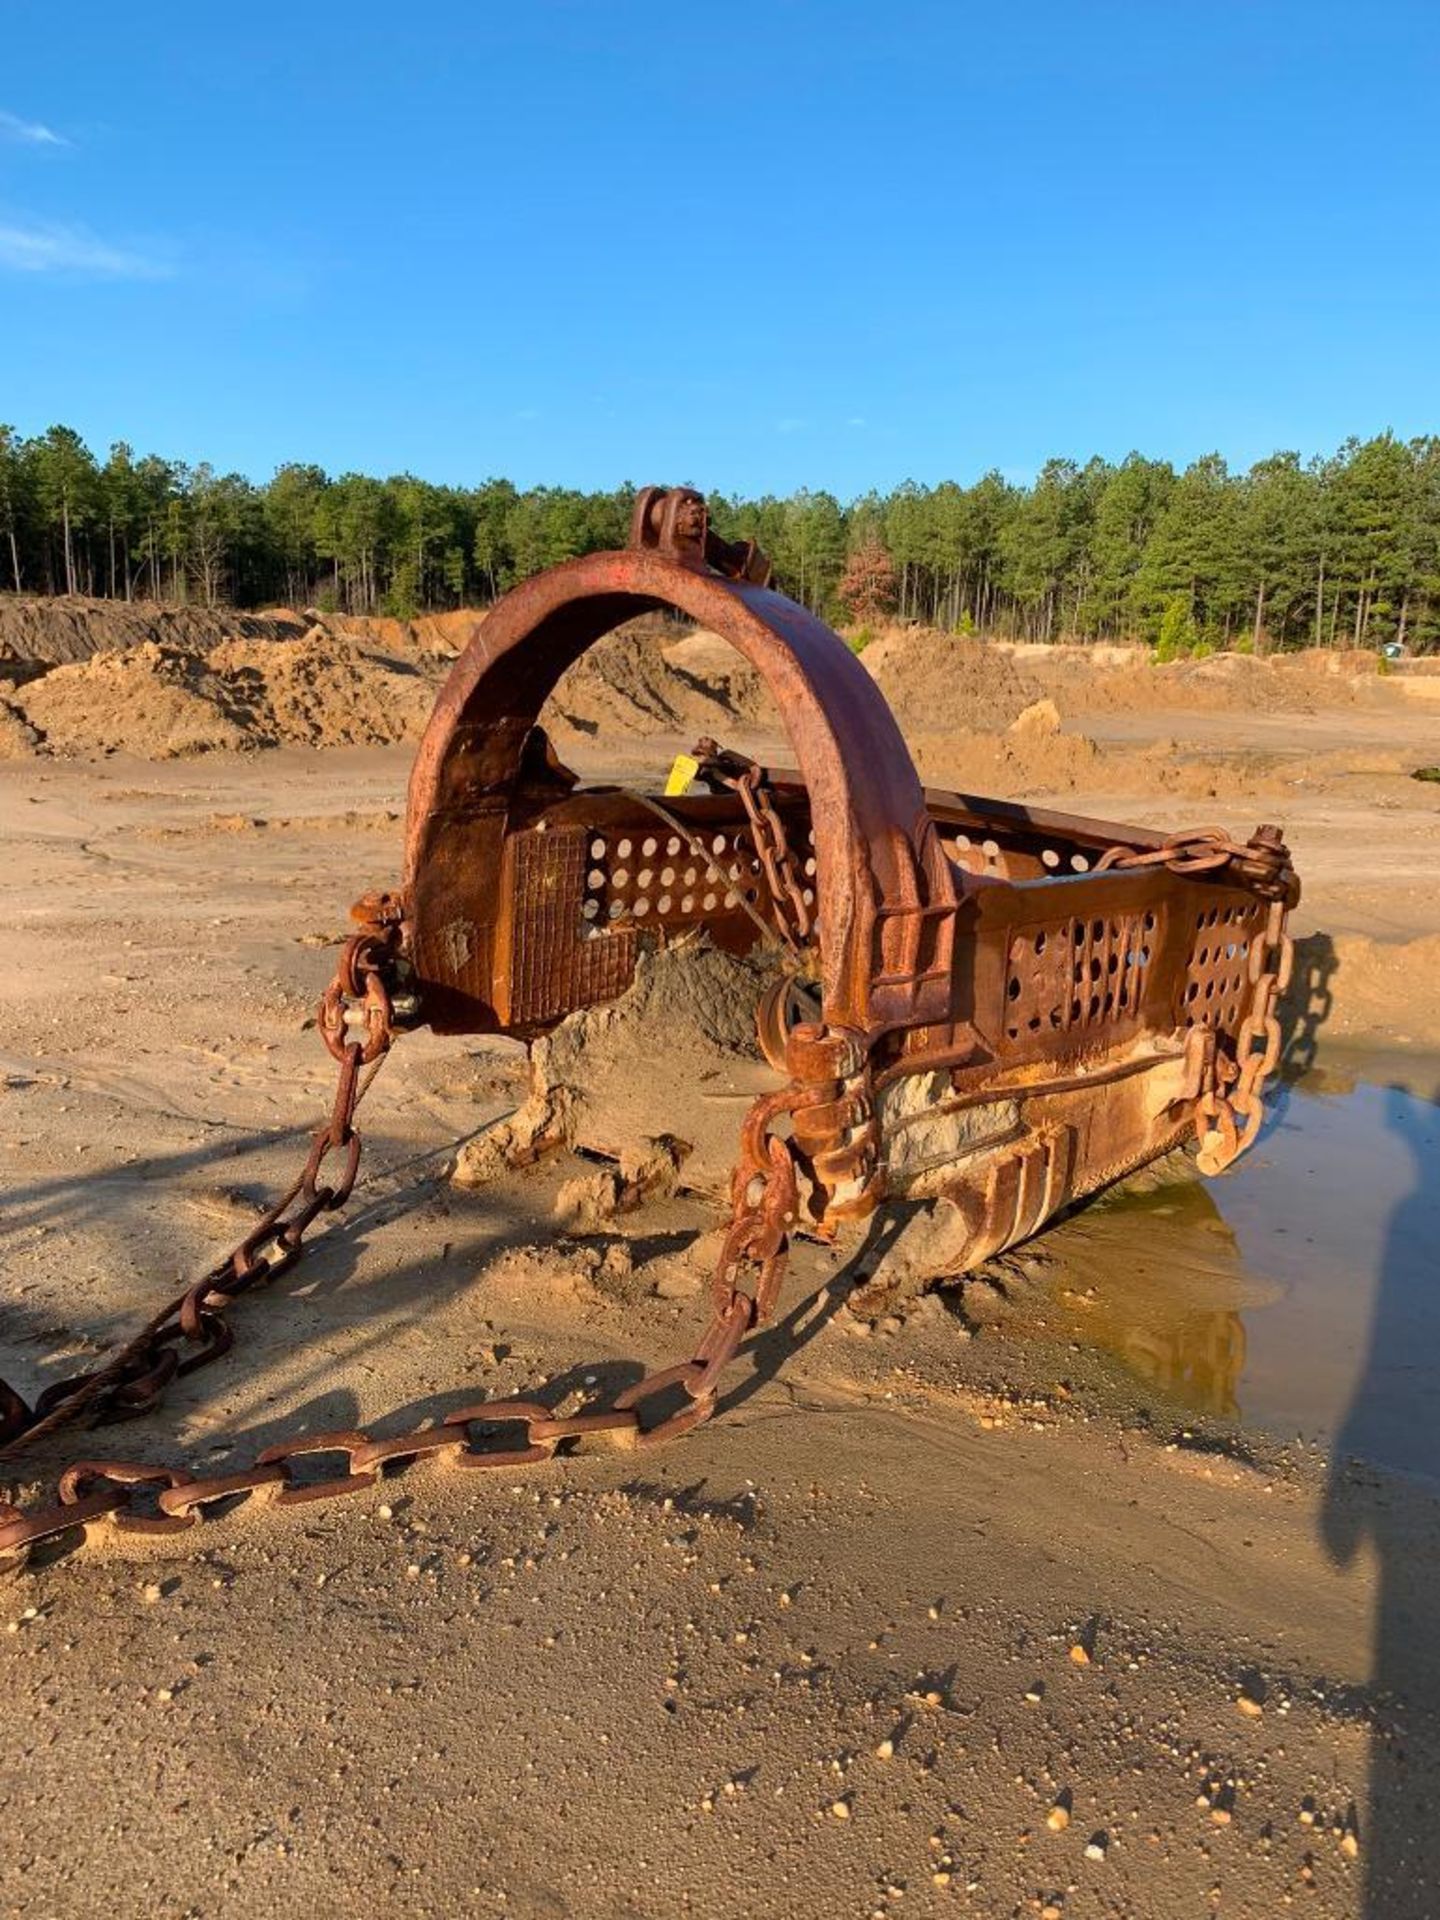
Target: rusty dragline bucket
x,y
1004,1008
976,1006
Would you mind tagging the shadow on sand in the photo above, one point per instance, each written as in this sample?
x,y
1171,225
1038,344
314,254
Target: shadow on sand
x,y
1384,1498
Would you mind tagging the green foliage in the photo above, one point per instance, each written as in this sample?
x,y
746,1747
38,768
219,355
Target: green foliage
x,y
858,638
1177,636
1338,551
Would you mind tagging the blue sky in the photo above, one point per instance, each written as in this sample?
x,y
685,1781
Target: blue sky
x,y
753,247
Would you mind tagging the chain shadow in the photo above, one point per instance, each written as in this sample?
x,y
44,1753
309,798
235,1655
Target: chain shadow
x,y
332,1269
1302,1011
79,1198
1307,1004
80,1203
775,1346
1391,1435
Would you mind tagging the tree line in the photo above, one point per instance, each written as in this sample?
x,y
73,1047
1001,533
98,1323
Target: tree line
x,y
1339,550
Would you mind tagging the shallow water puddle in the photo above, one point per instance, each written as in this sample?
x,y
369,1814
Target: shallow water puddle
x,y
1301,1292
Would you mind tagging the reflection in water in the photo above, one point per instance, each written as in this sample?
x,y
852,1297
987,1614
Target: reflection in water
x,y
1301,1291
1340,1205
1297,1292
1196,1360
1155,1278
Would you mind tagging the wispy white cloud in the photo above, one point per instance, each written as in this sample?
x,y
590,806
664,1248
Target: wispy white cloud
x,y
38,246
791,424
29,133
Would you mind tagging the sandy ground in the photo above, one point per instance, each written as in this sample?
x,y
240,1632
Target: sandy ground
x,y
817,1658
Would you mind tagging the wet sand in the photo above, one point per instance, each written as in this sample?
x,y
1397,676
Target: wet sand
x,y
815,1659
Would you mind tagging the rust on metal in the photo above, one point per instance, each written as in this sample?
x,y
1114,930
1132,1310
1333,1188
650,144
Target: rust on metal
x,y
983,1004
961,953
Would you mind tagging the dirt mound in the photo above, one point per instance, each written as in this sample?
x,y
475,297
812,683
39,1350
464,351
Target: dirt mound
x,y
1096,680
36,633
1034,757
939,680
600,1082
640,680
39,633
1383,992
346,681
1010,765
96,677
943,680
444,635
160,700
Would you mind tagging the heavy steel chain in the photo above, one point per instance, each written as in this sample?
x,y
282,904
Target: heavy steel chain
x,y
745,778
1228,1118
150,1498
191,1330
1262,863
772,847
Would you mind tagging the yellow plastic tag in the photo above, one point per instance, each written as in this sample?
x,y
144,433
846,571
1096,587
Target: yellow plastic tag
x,y
681,774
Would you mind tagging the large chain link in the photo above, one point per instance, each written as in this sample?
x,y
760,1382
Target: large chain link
x,y
795,915
772,847
1261,863
1228,1118
149,1498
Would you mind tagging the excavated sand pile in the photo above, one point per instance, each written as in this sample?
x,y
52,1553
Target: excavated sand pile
x,y
344,682
159,700
1009,720
642,680
944,681
35,633
1111,679
39,633
598,1081
445,635
981,716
